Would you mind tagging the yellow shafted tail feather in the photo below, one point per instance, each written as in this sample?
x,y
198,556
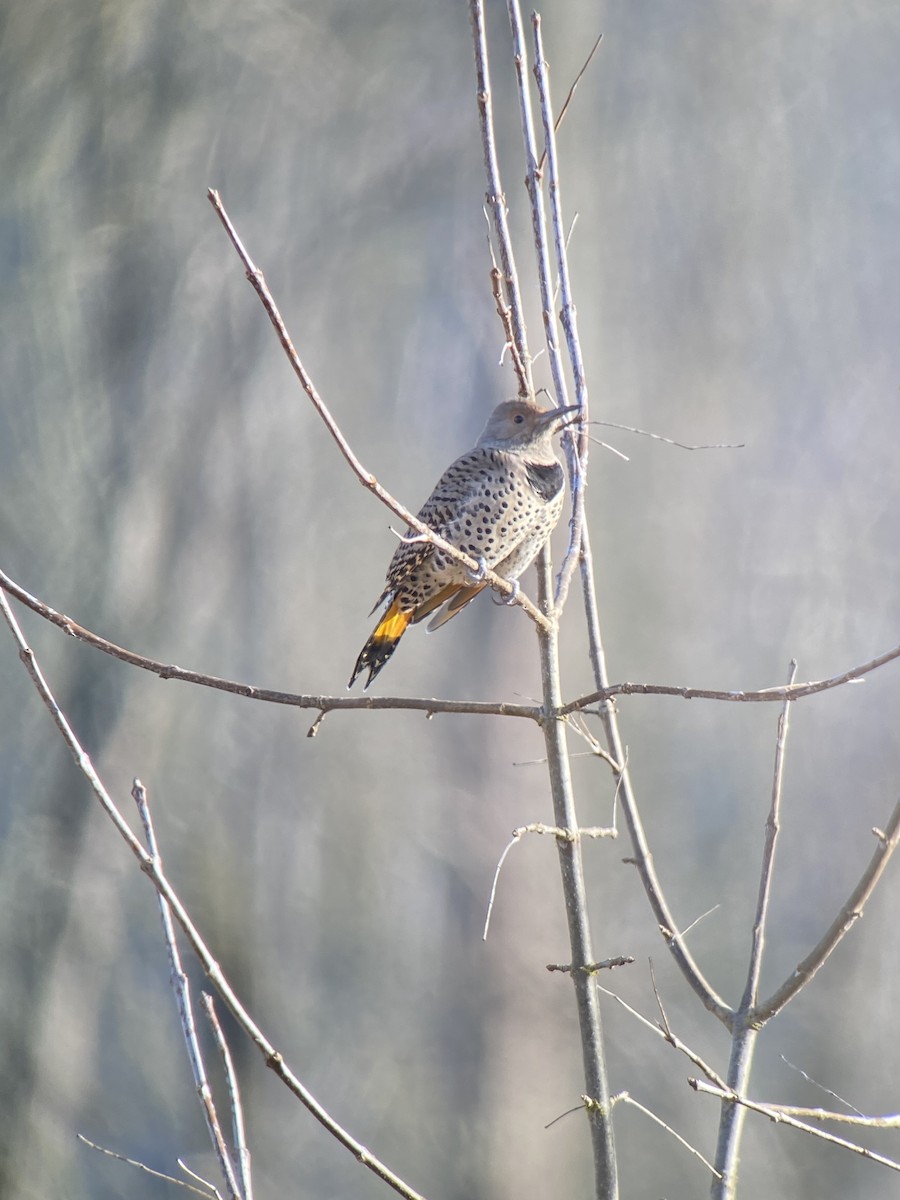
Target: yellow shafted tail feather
x,y
383,642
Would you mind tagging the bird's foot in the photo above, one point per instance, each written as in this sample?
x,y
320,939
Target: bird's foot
x,y
514,594
478,576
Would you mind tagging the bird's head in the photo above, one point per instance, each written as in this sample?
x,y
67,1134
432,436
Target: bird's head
x,y
519,424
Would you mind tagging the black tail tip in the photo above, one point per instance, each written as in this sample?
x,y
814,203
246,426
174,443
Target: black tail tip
x,y
373,658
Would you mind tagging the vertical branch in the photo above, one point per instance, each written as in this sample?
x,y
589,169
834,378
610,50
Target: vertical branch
x,y
578,456
569,848
745,1030
570,861
495,198
538,215
751,991
234,1095
181,988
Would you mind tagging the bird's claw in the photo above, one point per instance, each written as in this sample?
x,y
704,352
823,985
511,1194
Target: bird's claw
x,y
478,575
514,594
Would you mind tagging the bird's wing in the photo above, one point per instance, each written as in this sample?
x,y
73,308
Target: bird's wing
x,y
454,501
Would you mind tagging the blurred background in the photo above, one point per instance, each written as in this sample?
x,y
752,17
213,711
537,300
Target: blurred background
x,y
163,480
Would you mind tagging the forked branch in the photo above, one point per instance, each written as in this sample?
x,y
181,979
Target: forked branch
x,y
150,866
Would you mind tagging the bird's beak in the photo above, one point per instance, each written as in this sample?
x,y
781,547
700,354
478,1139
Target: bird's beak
x,y
560,418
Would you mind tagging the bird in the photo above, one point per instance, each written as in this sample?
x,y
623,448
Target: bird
x,y
498,503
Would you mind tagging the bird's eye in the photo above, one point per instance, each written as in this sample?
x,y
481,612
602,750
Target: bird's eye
x,y
519,418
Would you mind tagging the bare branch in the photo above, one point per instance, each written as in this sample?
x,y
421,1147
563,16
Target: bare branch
x,y
664,1032
325,704
193,1174
574,890
579,444
150,867
822,1088
888,1121
132,1162
745,1030
627,1098
606,446
181,989
234,1095
605,964
366,478
578,724
696,921
429,706
795,691
843,922
505,315
571,93
751,990
658,437
569,835
495,198
538,215
782,1116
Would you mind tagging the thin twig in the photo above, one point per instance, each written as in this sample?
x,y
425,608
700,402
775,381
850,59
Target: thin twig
x,y
132,1162
365,477
696,921
571,93
850,913
664,1032
657,437
538,215
579,725
181,989
505,315
888,1121
194,1175
606,446
150,867
781,1117
821,1086
577,446
234,1094
569,835
773,821
495,198
745,1028
795,691
627,1098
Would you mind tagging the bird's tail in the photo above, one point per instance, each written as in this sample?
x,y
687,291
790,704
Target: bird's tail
x,y
383,642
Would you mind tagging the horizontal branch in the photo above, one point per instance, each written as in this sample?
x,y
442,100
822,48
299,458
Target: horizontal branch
x,y
781,1116
322,704
429,706
794,691
365,477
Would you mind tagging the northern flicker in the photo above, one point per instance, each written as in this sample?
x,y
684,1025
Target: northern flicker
x,y
498,503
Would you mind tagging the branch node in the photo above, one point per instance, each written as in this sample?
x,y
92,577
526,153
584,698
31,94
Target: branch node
x,y
317,723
